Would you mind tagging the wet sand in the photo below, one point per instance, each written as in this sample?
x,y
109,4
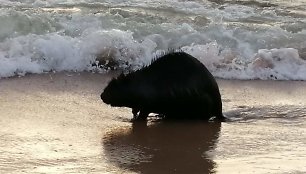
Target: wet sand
x,y
56,123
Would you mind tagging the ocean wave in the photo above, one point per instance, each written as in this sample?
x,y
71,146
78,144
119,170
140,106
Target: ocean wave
x,y
234,40
116,49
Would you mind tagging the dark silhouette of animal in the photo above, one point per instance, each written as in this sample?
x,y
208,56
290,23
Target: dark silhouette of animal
x,y
175,85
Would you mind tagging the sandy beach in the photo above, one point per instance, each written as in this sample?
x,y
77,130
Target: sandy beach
x,y
57,123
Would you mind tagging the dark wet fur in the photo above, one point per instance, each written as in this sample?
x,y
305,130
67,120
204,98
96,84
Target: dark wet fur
x,y
176,85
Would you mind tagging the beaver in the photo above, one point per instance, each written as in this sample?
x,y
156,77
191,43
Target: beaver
x,y
175,85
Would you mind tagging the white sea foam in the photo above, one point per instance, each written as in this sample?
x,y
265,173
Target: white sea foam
x,y
53,52
233,40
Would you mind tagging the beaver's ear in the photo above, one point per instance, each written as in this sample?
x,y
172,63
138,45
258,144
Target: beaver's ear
x,y
111,83
121,76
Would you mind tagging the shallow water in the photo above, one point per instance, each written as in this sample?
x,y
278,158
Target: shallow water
x,y
273,144
56,123
163,147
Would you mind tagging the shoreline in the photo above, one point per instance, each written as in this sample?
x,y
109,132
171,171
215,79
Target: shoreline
x,y
262,92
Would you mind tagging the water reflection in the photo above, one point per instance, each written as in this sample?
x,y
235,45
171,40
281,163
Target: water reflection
x,y
163,147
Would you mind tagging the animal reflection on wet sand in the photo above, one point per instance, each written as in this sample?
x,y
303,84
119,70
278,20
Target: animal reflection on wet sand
x,y
163,147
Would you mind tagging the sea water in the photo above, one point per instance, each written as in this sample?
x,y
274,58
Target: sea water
x,y
53,122
255,39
